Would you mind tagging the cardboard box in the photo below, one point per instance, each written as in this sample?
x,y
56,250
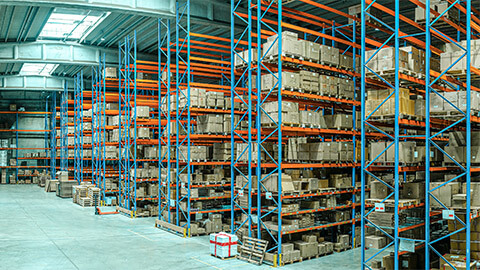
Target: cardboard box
x,y
373,241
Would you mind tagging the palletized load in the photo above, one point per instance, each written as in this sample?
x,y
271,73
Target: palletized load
x,y
440,6
290,114
440,106
406,152
309,81
196,152
375,98
210,123
299,150
410,60
197,98
291,46
290,80
222,151
215,100
241,58
141,112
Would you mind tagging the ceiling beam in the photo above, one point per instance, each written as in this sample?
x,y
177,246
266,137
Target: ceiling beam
x,y
201,10
135,7
55,52
34,83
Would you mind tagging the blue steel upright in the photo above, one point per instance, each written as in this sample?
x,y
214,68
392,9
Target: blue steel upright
x,y
237,49
262,10
164,109
95,127
183,116
78,123
53,137
464,122
64,129
128,123
393,139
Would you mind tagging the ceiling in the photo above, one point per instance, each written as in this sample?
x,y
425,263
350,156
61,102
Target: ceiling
x,y
24,23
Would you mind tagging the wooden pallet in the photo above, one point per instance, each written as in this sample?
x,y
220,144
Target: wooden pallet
x,y
253,250
292,261
342,249
224,258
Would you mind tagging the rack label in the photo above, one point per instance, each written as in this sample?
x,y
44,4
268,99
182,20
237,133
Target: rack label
x,y
407,245
268,195
448,214
172,203
379,207
240,193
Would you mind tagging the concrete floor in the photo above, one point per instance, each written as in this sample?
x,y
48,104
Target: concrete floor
x,y
42,231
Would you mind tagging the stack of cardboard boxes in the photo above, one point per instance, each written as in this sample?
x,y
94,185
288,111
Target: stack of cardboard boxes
x,y
410,59
299,150
458,240
310,82
455,54
439,105
376,98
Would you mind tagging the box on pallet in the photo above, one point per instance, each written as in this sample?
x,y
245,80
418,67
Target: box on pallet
x,y
223,245
291,46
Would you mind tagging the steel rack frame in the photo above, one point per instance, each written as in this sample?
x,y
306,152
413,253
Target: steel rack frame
x,y
194,68
434,83
182,84
238,93
98,126
64,128
164,109
395,138
78,120
277,130
465,122
128,118
272,25
53,135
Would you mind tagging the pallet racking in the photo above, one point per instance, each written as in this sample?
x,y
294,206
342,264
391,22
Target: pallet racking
x,y
432,214
201,66
63,156
135,92
269,200
13,145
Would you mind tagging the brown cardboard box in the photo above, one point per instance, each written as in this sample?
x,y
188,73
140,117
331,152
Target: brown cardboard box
x,y
372,241
323,183
378,190
310,204
388,262
445,193
413,191
309,238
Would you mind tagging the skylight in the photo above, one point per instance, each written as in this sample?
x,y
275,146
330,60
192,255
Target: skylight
x,y
37,69
68,24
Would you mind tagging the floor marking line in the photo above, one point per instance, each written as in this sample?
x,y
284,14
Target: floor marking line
x,y
140,235
206,263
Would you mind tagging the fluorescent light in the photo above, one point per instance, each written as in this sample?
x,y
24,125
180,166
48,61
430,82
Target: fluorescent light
x,y
71,24
38,69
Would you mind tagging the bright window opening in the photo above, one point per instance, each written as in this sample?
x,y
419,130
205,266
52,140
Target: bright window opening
x,y
37,69
68,24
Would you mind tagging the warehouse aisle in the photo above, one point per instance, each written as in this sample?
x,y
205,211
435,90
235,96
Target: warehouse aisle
x,y
42,231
